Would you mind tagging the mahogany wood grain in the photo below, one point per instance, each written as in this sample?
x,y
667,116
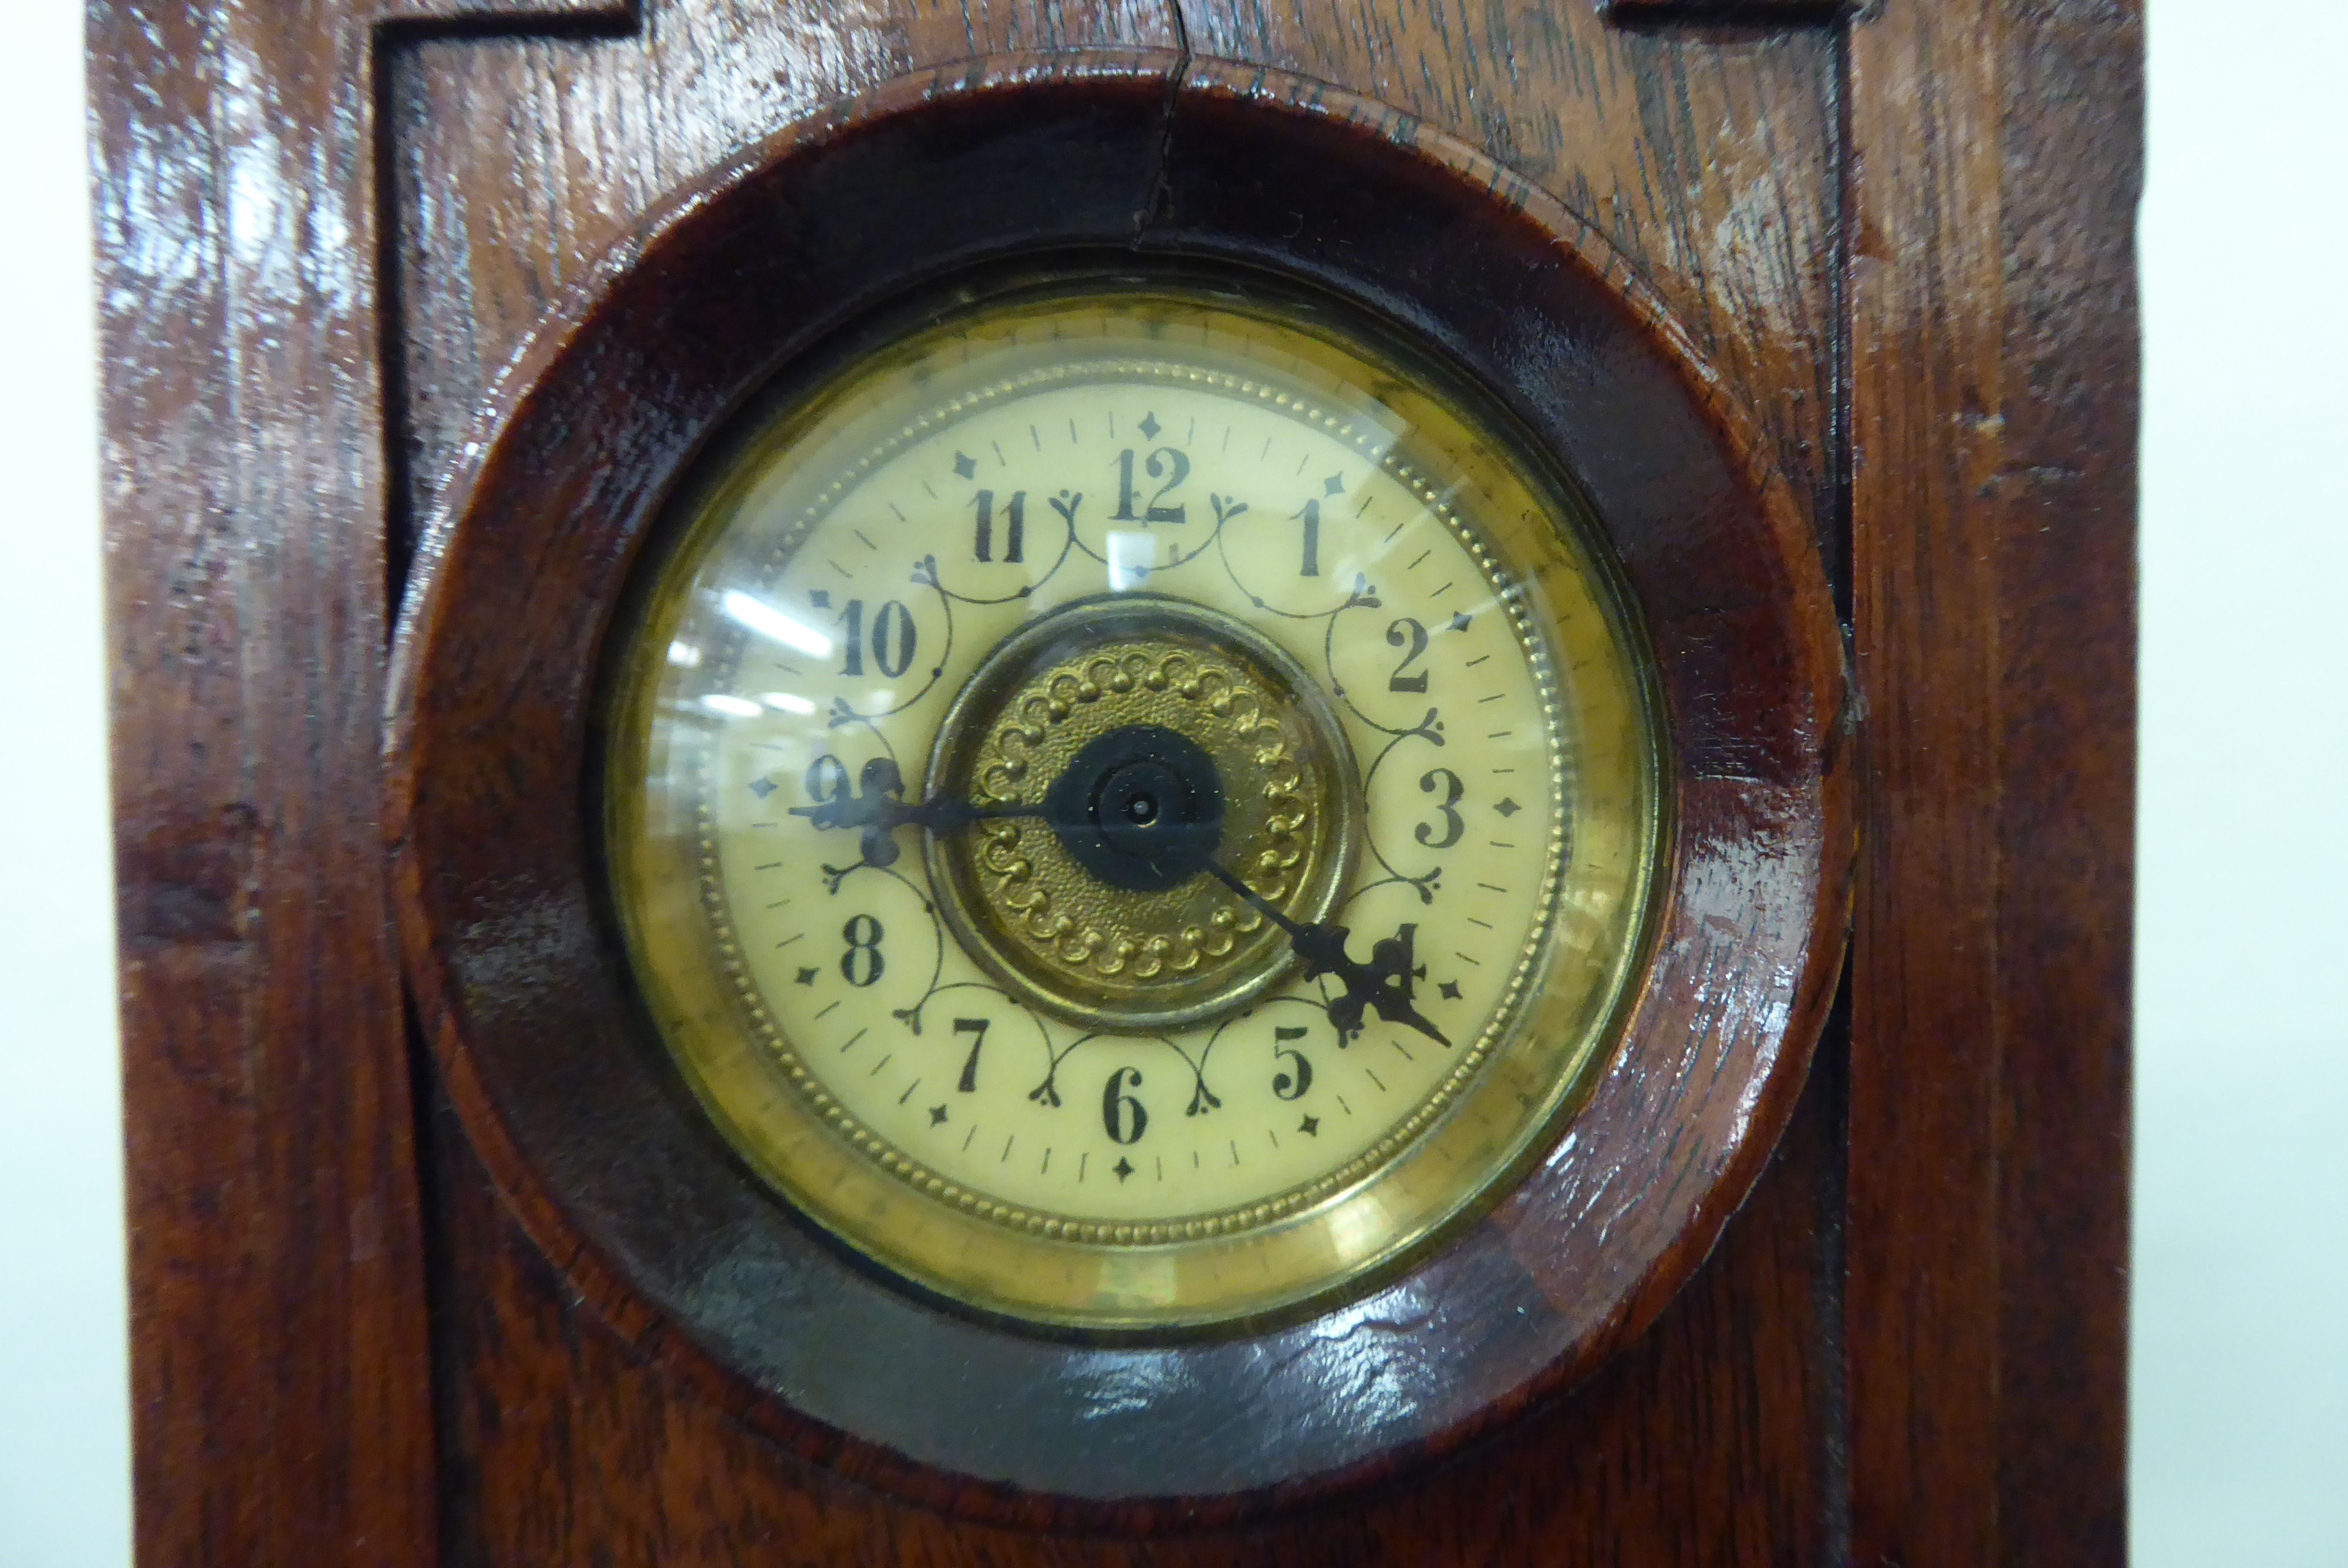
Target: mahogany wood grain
x,y
1993,406
277,1304
2071,98
1707,165
519,981
1949,184
1927,258
1708,169
1661,1458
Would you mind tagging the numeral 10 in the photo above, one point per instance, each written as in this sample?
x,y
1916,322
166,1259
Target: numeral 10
x,y
893,638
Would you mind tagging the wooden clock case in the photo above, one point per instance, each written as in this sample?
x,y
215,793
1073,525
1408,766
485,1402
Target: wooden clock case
x,y
350,277
520,976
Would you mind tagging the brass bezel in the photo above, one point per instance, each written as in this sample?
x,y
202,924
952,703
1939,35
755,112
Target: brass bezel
x,y
1573,997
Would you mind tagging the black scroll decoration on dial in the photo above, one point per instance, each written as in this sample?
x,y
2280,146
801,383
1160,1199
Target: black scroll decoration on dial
x,y
1145,766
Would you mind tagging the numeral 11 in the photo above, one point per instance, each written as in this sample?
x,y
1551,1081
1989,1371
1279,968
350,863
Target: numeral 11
x,y
1014,526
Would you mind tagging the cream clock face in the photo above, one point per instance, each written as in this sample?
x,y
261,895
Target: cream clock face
x,y
1128,808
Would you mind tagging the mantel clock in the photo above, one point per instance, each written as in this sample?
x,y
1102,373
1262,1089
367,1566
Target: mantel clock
x,y
1077,784
1120,805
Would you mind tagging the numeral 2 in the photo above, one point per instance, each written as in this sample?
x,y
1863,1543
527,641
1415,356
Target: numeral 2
x,y
1407,630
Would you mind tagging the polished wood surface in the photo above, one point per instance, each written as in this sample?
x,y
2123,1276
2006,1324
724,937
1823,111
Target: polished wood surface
x,y
325,232
519,981
1993,399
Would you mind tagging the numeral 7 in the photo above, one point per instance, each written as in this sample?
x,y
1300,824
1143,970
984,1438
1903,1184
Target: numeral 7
x,y
976,1029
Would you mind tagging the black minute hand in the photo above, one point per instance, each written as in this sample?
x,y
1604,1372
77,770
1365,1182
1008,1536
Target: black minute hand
x,y
1384,983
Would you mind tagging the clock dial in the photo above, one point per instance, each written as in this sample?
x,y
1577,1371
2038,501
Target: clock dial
x,y
1129,806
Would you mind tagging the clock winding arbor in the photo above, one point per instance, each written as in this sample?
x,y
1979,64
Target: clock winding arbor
x,y
1128,751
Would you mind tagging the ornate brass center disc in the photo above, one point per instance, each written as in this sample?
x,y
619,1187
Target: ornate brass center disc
x,y
1147,737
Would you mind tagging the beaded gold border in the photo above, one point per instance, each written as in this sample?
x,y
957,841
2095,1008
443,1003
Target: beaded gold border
x,y
1509,1018
1243,1217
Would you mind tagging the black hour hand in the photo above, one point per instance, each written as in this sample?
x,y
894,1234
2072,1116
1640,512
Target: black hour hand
x,y
1383,984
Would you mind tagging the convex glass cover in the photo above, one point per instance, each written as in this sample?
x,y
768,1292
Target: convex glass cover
x,y
1131,805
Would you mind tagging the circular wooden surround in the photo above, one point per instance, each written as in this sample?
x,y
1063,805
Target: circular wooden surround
x,y
524,984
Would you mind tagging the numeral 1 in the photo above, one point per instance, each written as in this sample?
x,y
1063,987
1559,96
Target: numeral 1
x,y
1311,519
853,618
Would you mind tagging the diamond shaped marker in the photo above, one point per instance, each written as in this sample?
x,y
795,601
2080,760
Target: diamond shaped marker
x,y
821,597
1459,620
1450,989
937,1115
964,466
762,788
1332,485
1508,807
806,976
1122,1169
1310,1125
1150,425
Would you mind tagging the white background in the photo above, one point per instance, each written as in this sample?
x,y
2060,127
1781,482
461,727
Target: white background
x,y
2240,1385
